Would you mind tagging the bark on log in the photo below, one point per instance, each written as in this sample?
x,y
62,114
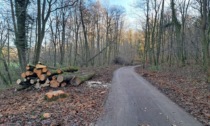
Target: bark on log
x,y
25,84
53,73
23,87
67,78
69,69
82,78
42,81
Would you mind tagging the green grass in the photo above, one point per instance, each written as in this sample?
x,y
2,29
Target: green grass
x,y
14,70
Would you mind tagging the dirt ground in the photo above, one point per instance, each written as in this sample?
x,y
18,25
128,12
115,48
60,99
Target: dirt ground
x,y
82,106
186,86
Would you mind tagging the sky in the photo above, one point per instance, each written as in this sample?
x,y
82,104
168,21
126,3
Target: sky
x,y
128,5
125,3
132,15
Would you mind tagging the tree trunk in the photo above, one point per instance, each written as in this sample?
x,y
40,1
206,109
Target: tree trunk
x,y
41,23
20,30
62,48
85,33
160,34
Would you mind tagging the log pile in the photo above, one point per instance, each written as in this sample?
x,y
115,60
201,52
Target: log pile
x,y
40,75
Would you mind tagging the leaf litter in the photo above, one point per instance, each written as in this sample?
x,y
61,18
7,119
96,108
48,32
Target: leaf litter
x,y
83,105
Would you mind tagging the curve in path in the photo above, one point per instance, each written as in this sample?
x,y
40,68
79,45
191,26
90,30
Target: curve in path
x,y
132,101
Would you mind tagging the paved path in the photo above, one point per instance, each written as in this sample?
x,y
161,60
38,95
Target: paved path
x,y
133,101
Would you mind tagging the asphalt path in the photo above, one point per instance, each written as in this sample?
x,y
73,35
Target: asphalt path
x,y
133,101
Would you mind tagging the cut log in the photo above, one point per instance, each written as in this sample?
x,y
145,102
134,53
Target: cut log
x,y
30,67
35,70
68,69
52,68
18,81
54,72
28,73
37,85
39,76
54,84
23,86
40,66
42,81
26,80
48,73
32,75
54,95
59,71
60,78
44,85
42,77
23,75
47,81
38,72
63,84
82,78
54,78
32,81
44,70
67,78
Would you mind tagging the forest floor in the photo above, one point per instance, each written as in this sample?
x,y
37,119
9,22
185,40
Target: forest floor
x,y
82,107
186,86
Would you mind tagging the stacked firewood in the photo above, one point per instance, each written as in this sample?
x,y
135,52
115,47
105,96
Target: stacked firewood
x,y
40,75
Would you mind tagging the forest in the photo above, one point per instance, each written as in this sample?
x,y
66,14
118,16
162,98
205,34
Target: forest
x,y
94,33
62,33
